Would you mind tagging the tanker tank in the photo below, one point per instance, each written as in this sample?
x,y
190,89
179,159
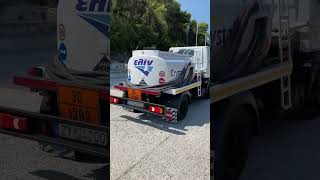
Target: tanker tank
x,y
157,68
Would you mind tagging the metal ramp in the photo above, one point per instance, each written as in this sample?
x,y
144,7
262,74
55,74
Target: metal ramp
x,y
284,52
198,70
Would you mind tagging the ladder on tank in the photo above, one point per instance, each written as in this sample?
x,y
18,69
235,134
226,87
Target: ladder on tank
x,y
284,52
199,73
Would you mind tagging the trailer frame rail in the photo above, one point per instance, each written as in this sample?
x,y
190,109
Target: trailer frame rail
x,y
221,91
56,140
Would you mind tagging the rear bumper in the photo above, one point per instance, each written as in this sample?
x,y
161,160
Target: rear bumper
x,y
169,114
35,133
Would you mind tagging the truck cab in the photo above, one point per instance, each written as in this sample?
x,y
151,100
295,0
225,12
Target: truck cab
x,y
200,56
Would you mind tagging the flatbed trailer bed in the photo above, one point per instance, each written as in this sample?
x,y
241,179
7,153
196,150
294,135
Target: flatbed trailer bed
x,y
75,145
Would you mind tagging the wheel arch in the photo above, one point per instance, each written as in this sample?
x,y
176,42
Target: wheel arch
x,y
188,94
248,101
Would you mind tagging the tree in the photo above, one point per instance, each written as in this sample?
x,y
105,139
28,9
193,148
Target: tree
x,y
143,23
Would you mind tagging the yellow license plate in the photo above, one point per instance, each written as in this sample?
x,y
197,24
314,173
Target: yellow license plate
x,y
134,94
79,104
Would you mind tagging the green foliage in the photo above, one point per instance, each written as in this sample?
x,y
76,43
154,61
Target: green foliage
x,y
151,23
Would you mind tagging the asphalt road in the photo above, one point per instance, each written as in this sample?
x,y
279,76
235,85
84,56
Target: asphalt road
x,y
286,150
23,159
145,147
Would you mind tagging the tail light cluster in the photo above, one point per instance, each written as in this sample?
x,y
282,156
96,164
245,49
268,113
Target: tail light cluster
x,y
114,100
11,122
156,109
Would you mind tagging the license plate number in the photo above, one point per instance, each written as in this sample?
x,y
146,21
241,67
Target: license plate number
x,y
135,104
83,134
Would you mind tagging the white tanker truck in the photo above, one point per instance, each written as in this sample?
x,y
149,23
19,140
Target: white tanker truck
x,y
265,63
163,83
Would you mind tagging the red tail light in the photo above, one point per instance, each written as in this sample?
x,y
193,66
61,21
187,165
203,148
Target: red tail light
x,y
114,100
156,109
13,122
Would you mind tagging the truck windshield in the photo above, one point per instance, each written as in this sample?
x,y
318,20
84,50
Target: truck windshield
x,y
189,52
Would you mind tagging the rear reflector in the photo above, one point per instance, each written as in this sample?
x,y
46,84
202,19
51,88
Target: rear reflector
x,y
156,109
114,100
13,122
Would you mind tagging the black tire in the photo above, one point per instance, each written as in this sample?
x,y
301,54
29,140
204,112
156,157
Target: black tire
x,y
136,111
183,108
316,93
231,152
87,158
48,107
133,110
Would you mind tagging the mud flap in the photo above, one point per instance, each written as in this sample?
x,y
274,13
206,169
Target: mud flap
x,y
171,115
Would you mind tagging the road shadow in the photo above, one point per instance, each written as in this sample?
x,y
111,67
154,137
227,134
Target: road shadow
x,y
285,150
198,115
86,158
53,175
61,152
99,174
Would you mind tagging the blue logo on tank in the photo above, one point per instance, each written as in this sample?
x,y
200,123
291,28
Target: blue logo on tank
x,y
95,13
145,66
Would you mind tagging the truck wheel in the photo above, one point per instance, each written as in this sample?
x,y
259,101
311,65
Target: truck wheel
x,y
87,158
49,104
133,110
48,107
316,93
232,147
136,111
183,108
